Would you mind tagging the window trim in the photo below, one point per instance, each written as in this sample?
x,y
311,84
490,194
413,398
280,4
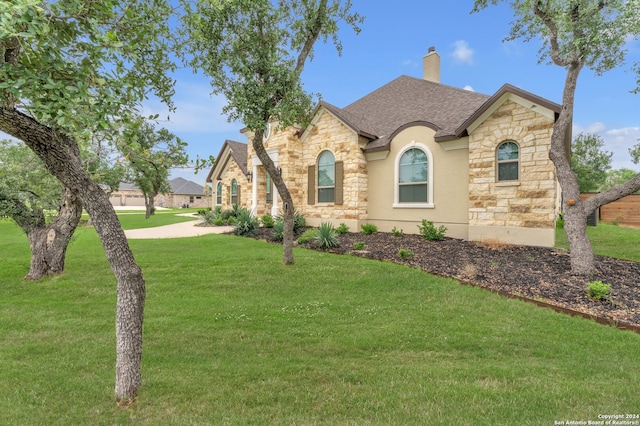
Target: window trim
x,y
219,193
233,181
317,178
498,162
268,188
396,179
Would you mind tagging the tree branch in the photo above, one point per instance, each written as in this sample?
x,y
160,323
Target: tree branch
x,y
314,33
553,39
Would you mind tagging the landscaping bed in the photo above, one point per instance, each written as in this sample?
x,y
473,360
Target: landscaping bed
x,y
535,273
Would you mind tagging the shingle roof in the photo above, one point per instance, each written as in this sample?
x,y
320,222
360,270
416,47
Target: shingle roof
x,y
185,187
409,100
238,152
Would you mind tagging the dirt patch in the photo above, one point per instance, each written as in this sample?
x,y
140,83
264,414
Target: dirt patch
x,y
537,273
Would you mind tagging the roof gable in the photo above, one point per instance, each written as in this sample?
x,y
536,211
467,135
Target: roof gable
x,y
230,150
183,186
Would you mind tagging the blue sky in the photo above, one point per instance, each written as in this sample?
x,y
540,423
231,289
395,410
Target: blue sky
x,y
394,38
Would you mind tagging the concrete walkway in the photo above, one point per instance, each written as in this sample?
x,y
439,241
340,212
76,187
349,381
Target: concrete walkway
x,y
176,230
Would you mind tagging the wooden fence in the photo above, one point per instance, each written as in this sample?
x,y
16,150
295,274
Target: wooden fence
x,y
625,211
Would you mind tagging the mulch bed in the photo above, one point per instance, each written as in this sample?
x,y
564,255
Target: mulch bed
x,y
531,273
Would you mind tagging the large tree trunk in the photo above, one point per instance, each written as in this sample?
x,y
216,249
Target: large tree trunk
x,y
60,155
283,191
575,214
49,244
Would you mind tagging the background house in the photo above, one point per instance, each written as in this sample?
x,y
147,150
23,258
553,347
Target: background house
x,y
413,149
183,192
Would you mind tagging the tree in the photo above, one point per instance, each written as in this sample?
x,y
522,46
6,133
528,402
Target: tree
x,y
69,68
618,176
151,157
27,192
254,51
577,34
590,162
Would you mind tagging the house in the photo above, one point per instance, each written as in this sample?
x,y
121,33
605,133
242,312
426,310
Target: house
x,y
413,149
183,192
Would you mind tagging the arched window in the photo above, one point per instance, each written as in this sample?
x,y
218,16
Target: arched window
x,y
234,192
219,193
326,177
508,154
414,177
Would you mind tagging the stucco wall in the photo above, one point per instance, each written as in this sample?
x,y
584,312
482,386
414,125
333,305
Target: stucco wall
x,y
450,186
522,211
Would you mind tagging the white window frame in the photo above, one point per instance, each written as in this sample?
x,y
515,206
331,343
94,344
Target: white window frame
x,y
396,179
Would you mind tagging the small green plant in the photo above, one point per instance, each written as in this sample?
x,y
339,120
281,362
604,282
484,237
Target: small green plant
x,y
277,232
358,245
405,253
307,236
369,229
597,290
246,223
267,220
299,222
326,236
397,232
430,232
218,221
342,229
208,218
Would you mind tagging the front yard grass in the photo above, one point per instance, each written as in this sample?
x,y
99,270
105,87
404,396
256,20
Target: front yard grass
x,y
234,337
609,240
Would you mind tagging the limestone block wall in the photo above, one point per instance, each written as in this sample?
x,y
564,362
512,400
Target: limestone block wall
x,y
331,134
233,172
526,203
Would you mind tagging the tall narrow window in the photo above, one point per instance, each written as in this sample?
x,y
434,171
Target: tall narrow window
x,y
413,177
326,177
508,161
234,192
268,189
219,194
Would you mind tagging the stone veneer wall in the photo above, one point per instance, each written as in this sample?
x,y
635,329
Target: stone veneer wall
x,y
233,172
528,203
331,134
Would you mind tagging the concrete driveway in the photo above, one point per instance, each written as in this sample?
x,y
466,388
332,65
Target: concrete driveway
x,y
177,230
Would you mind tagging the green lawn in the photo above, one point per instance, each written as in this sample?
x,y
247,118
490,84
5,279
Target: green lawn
x,y
234,337
609,240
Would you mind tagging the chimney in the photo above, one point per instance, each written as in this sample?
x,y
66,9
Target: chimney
x,y
431,66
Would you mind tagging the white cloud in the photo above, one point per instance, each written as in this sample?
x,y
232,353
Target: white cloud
x,y
196,110
616,141
469,88
462,53
409,63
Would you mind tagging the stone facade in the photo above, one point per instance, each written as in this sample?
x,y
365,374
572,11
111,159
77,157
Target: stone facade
x,y
232,172
528,202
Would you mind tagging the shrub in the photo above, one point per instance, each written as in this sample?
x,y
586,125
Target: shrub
x,y
267,220
209,218
299,222
218,221
397,233
246,223
430,232
405,253
203,211
597,290
277,232
326,236
358,246
307,236
226,214
369,229
342,229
